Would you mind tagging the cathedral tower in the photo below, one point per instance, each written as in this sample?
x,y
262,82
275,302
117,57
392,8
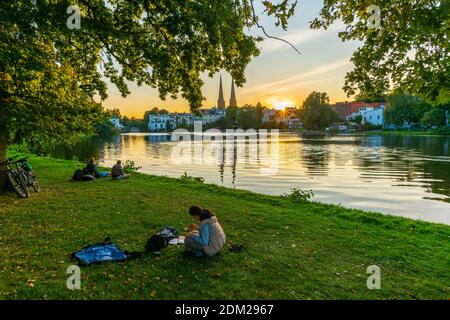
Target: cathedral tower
x,y
233,101
221,101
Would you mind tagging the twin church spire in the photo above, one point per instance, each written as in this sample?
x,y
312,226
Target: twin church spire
x,y
233,101
221,101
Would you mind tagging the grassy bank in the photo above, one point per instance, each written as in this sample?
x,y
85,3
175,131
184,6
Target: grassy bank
x,y
292,250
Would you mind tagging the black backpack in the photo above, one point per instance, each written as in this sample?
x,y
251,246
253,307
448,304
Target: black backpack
x,y
159,241
155,244
78,175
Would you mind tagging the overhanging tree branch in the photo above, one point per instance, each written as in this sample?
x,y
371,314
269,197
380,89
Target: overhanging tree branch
x,y
255,20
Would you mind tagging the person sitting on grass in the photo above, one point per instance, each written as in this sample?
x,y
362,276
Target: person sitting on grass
x,y
117,172
208,237
92,170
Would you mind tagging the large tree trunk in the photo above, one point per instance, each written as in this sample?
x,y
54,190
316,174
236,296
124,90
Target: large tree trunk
x,y
5,101
3,146
3,143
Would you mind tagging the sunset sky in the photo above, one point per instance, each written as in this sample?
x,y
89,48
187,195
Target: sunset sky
x,y
278,77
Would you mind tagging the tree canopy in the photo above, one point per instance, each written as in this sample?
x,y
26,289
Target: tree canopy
x,y
405,109
316,113
250,117
433,117
408,47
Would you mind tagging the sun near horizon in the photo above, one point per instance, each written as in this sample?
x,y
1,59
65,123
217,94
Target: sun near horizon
x,y
277,104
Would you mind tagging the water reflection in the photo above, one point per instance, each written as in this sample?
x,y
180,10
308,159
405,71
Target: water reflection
x,y
404,175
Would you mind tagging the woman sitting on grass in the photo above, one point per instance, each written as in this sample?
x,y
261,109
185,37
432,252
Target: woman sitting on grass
x,y
208,237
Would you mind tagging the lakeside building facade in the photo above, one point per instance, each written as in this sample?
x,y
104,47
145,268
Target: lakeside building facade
x,y
171,121
345,109
289,116
370,112
371,115
269,115
116,123
160,122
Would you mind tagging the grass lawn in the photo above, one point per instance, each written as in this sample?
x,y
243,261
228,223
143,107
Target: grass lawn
x,y
292,250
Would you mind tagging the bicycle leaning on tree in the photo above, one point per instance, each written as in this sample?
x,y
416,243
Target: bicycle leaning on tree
x,y
20,176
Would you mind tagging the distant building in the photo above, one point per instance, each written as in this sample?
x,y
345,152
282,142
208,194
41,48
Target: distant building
x,y
345,109
289,116
183,118
171,121
284,115
339,127
116,123
160,122
291,112
294,123
211,115
269,115
371,115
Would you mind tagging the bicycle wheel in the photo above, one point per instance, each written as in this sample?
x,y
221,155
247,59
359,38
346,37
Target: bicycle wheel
x,y
26,178
32,182
18,184
24,183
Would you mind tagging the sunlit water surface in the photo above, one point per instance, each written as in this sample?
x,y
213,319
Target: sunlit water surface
x,y
401,175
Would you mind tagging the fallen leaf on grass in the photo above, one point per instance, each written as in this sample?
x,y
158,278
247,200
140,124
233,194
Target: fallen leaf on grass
x,y
30,282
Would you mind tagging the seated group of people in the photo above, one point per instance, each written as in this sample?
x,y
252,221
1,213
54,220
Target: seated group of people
x,y
117,172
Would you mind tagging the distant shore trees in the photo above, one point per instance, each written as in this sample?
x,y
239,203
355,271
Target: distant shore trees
x,y
408,110
316,113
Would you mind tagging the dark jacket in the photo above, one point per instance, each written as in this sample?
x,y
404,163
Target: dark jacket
x,y
117,170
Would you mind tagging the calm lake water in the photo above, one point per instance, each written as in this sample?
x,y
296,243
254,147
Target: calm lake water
x,y
401,175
